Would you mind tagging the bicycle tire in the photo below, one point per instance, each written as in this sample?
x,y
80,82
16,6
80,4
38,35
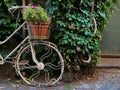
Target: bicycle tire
x,y
52,69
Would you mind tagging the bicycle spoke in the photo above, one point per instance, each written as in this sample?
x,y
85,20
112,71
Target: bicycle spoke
x,y
48,79
46,54
27,67
35,75
53,66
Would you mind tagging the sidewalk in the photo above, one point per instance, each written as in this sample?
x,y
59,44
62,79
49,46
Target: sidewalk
x,y
107,78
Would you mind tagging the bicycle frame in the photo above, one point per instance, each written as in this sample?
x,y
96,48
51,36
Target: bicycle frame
x,y
28,37
24,40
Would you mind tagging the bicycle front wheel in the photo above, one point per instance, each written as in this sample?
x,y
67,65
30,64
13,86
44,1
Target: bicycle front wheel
x,y
49,68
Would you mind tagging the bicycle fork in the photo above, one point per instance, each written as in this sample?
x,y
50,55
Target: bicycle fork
x,y
40,65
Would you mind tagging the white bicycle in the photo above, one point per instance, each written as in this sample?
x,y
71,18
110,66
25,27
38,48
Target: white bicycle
x,y
37,61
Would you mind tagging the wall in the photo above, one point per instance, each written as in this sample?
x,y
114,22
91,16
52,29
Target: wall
x,y
111,38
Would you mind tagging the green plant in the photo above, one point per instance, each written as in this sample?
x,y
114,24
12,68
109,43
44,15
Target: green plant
x,y
68,87
7,22
7,26
35,14
79,24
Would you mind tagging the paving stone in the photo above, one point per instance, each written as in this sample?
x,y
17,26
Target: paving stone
x,y
59,88
86,86
79,87
108,85
96,88
118,78
116,86
22,87
106,79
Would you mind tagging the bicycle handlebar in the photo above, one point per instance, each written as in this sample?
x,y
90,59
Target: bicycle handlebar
x,y
14,8
17,7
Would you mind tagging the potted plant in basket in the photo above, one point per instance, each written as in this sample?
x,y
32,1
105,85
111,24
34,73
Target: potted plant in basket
x,y
38,20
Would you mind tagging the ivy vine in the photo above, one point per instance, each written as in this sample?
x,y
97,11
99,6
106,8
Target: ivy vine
x,y
7,25
7,22
77,28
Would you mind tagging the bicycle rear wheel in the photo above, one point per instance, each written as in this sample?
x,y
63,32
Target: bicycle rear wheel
x,y
49,69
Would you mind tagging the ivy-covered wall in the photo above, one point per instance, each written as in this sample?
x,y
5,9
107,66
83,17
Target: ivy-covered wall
x,y
6,20
77,28
7,26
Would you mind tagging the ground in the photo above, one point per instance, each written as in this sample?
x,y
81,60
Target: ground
x,y
102,79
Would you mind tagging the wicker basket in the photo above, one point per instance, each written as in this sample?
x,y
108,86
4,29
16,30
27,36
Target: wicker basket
x,y
39,31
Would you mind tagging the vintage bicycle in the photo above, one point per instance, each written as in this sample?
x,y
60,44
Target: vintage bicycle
x,y
36,60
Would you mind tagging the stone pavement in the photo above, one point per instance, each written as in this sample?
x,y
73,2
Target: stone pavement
x,y
105,79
